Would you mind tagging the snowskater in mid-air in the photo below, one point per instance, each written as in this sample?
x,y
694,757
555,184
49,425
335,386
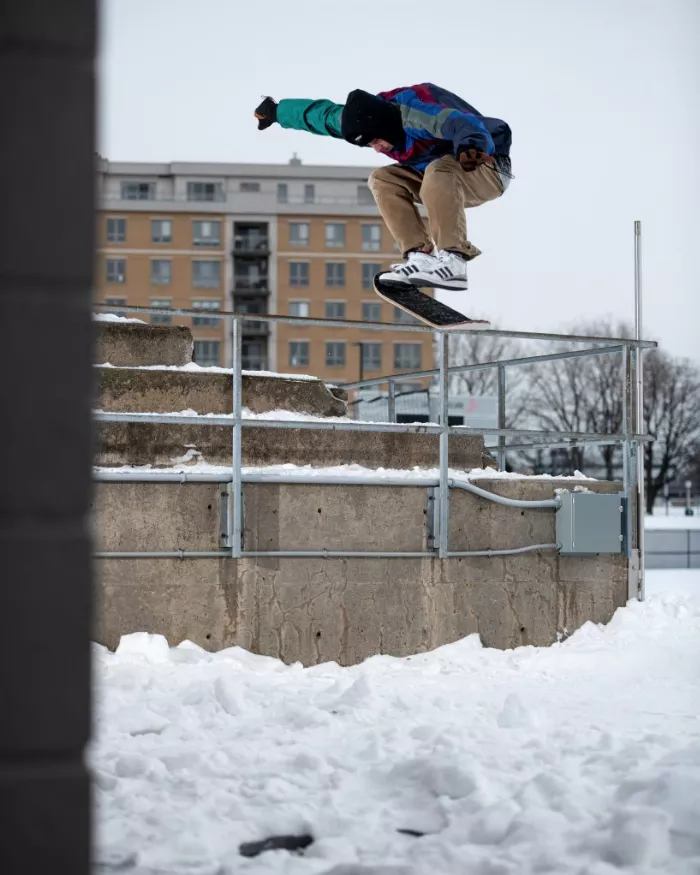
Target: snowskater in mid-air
x,y
448,157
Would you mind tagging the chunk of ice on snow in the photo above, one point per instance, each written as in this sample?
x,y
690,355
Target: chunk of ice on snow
x,y
143,647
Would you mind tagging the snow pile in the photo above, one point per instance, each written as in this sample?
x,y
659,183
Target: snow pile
x,y
579,759
112,317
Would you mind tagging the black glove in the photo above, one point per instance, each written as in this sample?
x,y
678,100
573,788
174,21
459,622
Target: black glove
x,y
266,113
470,159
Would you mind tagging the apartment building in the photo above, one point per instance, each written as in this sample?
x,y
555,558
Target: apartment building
x,y
256,238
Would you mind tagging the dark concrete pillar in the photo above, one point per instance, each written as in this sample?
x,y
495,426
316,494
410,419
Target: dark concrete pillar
x,y
47,136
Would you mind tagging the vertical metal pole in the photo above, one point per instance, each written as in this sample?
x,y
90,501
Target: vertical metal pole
x,y
501,417
237,440
625,428
391,401
444,495
639,421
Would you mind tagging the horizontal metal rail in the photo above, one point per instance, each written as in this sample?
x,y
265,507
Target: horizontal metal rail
x,y
166,554
377,326
319,554
486,366
359,425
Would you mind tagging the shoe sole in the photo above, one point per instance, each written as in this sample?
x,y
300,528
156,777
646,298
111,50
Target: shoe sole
x,y
454,286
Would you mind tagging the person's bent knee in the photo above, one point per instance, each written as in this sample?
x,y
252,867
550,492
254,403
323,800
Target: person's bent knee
x,y
380,176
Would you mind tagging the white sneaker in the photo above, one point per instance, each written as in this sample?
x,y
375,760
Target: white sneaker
x,y
450,272
417,270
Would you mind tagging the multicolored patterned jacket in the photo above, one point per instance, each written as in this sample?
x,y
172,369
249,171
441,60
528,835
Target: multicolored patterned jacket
x,y
436,122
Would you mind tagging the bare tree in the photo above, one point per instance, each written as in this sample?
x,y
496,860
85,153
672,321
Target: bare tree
x,y
475,348
672,416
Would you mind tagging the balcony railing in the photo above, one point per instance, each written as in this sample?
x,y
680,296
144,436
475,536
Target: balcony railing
x,y
252,327
245,283
255,245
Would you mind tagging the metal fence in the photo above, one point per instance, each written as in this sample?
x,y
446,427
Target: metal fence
x,y
672,548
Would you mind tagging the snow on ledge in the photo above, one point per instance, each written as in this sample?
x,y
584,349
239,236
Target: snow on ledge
x,y
192,367
192,462
111,317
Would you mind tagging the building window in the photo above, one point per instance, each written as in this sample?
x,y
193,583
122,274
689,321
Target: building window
x,y
364,195
407,356
161,231
138,191
298,353
369,270
401,316
205,321
335,274
253,355
206,233
309,194
161,318
372,237
116,230
282,192
205,191
335,309
206,353
115,302
206,274
116,270
371,311
299,308
161,271
371,356
298,273
298,233
335,234
335,353
250,186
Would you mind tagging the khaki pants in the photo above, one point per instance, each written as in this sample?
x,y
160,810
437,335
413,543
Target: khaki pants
x,y
445,190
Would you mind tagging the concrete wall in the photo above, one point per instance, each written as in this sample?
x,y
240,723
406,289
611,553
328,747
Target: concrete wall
x,y
315,610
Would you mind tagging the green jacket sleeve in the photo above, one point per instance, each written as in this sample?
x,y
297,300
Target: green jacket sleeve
x,y
315,116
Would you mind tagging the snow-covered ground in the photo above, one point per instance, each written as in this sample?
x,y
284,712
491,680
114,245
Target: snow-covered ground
x,y
581,758
676,519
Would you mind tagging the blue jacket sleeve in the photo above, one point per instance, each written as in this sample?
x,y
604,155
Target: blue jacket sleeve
x,y
465,130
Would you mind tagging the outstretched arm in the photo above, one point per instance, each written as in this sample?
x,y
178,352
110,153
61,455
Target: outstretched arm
x,y
314,116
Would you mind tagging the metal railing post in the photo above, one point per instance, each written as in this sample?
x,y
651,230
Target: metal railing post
x,y
236,514
501,417
626,458
391,401
444,489
639,419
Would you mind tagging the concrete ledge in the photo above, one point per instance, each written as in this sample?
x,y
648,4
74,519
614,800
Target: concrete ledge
x,y
155,391
131,344
346,610
158,445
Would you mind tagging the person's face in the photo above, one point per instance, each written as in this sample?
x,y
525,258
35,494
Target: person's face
x,y
381,146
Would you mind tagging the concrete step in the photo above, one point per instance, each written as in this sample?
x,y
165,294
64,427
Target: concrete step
x,y
132,343
122,390
161,444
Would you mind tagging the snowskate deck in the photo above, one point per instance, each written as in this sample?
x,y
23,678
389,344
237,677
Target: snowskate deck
x,y
426,309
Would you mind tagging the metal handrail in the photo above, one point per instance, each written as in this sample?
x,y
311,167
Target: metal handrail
x,y
392,326
631,350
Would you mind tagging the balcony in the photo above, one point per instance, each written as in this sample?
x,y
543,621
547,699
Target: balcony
x,y
255,283
250,244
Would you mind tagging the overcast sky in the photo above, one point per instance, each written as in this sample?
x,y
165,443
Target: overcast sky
x,y
603,97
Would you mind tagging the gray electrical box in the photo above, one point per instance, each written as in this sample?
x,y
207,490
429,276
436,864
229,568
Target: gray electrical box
x,y
588,522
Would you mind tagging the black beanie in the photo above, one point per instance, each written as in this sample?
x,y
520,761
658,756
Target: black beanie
x,y
366,117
